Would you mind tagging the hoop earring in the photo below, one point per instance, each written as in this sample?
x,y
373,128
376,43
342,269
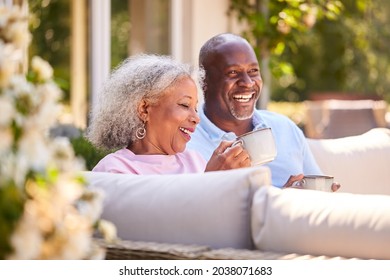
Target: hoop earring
x,y
140,132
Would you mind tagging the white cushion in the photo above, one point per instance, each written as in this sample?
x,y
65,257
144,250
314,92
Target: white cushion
x,y
321,223
210,209
361,164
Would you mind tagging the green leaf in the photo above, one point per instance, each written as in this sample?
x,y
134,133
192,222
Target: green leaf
x,y
11,209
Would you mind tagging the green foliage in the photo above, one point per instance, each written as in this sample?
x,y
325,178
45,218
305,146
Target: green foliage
x,y
50,23
274,25
120,28
348,54
11,209
83,148
344,47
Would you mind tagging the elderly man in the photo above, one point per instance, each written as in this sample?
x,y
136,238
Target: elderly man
x,y
232,86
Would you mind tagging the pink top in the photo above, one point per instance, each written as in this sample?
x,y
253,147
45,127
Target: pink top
x,y
125,161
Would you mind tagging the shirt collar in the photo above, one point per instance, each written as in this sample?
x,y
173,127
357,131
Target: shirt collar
x,y
257,121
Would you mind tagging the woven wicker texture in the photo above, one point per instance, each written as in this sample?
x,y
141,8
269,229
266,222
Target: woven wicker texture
x,y
136,250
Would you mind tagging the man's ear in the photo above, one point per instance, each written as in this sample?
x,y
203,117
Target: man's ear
x,y
143,110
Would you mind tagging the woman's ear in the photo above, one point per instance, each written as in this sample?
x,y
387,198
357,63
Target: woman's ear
x,y
142,110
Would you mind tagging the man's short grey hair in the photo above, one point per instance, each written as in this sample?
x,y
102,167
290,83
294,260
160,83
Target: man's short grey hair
x,y
210,45
114,119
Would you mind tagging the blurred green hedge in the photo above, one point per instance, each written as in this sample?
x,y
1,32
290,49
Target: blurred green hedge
x,y
84,149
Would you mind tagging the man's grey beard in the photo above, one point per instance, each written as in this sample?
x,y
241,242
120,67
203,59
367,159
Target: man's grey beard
x,y
241,117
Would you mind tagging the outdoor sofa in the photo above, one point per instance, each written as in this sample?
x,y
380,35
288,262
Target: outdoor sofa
x,y
238,214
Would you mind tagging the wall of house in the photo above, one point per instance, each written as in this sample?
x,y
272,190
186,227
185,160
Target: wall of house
x,y
200,20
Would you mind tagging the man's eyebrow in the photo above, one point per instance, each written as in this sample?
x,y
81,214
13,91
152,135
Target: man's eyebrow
x,y
241,66
233,65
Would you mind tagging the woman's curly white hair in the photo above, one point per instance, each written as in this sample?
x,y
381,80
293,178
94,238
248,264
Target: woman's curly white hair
x,y
114,119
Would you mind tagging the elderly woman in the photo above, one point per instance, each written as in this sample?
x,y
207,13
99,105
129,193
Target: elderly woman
x,y
147,111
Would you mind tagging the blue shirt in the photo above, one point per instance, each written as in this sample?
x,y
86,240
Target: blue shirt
x,y
293,152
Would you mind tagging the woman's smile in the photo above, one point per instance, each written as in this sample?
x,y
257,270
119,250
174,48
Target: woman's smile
x,y
186,132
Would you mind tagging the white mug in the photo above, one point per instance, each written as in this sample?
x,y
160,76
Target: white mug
x,y
316,182
260,145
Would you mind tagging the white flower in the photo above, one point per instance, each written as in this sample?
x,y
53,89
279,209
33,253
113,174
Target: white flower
x,y
91,205
32,147
7,110
96,253
10,14
67,191
4,16
8,63
21,86
42,68
49,92
16,32
13,168
108,230
6,139
6,70
47,115
14,26
78,238
63,156
27,238
25,95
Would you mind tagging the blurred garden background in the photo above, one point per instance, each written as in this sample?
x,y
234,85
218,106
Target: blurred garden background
x,y
308,49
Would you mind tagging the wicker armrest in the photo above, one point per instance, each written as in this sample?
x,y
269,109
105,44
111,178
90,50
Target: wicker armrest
x,y
137,250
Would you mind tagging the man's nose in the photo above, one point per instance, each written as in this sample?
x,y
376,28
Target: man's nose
x,y
246,80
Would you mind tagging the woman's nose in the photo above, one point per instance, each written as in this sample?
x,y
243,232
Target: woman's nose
x,y
195,117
